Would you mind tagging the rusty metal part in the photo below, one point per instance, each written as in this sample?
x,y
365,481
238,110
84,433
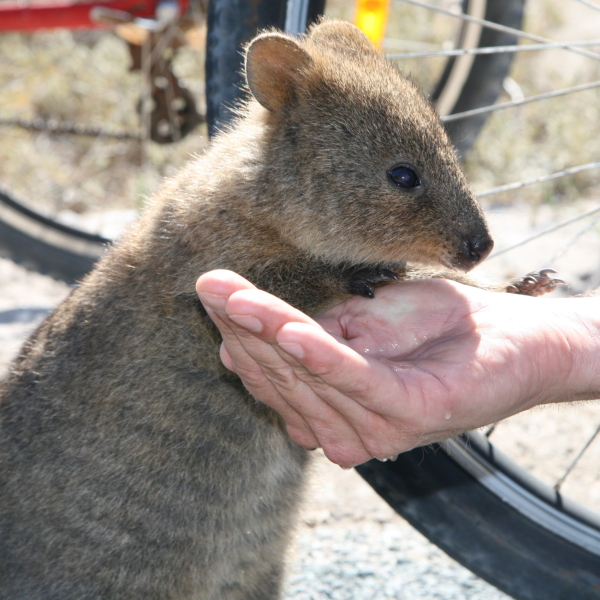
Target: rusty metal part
x,y
173,113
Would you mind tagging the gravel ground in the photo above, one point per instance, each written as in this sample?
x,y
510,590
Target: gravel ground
x,y
352,546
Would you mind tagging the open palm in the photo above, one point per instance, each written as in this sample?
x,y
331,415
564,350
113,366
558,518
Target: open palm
x,y
371,378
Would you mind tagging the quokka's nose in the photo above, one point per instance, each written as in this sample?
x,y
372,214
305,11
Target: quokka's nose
x,y
477,247
473,249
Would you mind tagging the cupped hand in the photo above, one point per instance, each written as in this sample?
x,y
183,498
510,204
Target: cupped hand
x,y
421,362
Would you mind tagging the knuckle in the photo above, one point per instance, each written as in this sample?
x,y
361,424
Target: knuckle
x,y
344,457
376,449
252,376
283,378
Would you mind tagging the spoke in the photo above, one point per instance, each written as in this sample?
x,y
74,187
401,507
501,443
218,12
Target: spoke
x,y
488,432
519,184
493,50
495,107
496,26
588,213
590,4
573,240
576,460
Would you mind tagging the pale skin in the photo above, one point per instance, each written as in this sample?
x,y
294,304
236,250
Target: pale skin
x,y
420,362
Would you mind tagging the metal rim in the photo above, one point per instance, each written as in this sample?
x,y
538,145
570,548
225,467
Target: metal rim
x,y
524,492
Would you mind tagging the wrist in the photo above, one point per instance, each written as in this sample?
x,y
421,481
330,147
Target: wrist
x,y
579,320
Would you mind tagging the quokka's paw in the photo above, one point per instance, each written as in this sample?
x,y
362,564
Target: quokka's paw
x,y
536,284
364,282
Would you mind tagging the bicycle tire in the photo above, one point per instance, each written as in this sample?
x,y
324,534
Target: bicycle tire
x,y
494,518
44,245
47,246
231,25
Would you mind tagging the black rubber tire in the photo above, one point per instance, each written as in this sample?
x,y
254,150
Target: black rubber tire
x,y
227,34
231,25
522,555
44,245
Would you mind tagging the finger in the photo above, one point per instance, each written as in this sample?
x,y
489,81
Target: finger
x,y
366,393
214,289
270,374
216,286
226,357
340,431
254,361
333,432
252,372
338,366
263,313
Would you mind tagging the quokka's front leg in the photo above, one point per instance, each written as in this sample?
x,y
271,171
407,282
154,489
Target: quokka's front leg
x,y
536,283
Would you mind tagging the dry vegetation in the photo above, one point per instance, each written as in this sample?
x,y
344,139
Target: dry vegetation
x,y
83,78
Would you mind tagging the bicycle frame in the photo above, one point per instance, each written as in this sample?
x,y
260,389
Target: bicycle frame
x,y
52,15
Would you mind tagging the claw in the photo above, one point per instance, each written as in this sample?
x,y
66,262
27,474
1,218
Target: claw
x,y
389,274
364,281
364,289
536,283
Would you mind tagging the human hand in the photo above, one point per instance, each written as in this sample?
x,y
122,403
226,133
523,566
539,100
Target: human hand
x,y
421,362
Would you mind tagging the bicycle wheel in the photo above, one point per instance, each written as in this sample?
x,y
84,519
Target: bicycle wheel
x,y
458,83
43,245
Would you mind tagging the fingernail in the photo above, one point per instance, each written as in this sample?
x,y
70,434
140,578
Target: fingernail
x,y
214,301
293,348
247,322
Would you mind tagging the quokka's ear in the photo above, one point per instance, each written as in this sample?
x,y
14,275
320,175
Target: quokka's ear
x,y
341,36
275,64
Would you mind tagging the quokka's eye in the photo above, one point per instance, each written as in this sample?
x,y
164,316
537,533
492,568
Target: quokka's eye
x,y
404,177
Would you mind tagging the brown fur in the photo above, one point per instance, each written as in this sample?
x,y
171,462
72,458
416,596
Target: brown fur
x,y
133,465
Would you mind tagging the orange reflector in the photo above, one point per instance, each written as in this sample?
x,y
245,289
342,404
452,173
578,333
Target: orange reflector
x,y
371,17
